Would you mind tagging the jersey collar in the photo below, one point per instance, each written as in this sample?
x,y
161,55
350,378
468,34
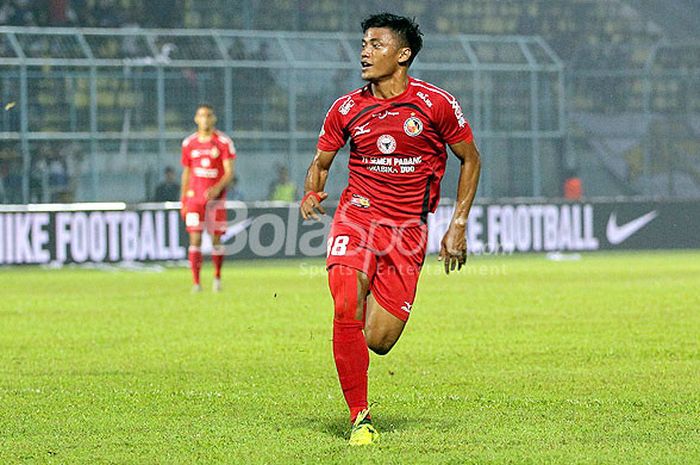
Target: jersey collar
x,y
392,99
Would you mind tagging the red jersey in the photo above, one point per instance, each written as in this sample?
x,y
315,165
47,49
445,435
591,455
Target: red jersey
x,y
206,160
397,150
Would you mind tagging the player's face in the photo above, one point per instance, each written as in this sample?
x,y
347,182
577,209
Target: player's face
x,y
205,119
381,54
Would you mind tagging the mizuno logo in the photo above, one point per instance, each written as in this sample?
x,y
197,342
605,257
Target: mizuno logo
x,y
406,308
618,234
359,130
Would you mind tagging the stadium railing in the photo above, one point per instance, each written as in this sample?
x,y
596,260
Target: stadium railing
x,y
634,114
107,108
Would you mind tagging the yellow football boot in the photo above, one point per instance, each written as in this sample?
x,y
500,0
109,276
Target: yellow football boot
x,y
363,433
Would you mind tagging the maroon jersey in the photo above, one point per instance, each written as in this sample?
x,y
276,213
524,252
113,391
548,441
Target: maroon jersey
x,y
397,150
206,161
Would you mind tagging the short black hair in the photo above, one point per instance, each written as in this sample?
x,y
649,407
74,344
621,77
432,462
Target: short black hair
x,y
406,29
205,105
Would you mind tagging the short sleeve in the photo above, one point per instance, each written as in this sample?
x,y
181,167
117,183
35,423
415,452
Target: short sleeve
x,y
451,123
185,158
332,136
229,148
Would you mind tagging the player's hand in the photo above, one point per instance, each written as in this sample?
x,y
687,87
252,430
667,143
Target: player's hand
x,y
453,248
212,193
310,206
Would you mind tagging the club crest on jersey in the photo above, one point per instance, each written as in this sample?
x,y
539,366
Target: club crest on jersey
x,y
214,152
413,126
386,144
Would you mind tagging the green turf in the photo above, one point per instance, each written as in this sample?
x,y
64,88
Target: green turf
x,y
515,360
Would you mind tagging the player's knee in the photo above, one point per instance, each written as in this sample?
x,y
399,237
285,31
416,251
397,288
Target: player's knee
x,y
196,239
380,344
343,284
380,347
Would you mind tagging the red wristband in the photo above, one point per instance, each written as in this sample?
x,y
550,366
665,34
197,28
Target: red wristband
x,y
311,194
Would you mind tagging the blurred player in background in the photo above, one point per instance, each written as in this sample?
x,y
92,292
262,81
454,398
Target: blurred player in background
x,y
399,129
169,189
208,159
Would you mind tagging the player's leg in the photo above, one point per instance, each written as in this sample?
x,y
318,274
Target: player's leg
x,y
193,222
195,257
382,329
393,288
216,226
217,258
351,265
349,288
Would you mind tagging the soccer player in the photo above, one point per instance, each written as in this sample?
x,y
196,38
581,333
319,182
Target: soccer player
x,y
398,128
208,158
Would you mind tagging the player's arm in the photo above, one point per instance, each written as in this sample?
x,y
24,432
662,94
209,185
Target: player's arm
x,y
184,186
184,182
314,183
453,248
214,191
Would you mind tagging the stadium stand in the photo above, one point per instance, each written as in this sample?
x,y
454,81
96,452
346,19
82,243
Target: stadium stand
x,y
680,19
617,70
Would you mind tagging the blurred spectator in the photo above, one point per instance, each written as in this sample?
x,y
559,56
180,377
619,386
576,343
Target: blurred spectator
x,y
169,189
59,181
282,188
4,173
58,12
108,14
19,13
237,49
81,10
38,179
83,13
49,179
10,184
235,192
573,187
263,76
70,155
163,13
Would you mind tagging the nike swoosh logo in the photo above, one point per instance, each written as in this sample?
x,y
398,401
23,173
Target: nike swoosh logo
x,y
618,234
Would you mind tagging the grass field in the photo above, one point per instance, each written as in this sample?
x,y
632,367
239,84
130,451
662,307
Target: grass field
x,y
516,360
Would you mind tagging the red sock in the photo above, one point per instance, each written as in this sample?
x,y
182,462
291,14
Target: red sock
x,y
349,345
195,255
217,257
352,361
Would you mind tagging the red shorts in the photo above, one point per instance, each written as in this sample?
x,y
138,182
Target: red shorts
x,y
391,257
205,215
